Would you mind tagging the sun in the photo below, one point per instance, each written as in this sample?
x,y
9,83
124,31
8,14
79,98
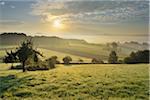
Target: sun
x,y
57,23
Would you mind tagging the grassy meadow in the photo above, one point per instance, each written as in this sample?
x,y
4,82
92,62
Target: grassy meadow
x,y
77,82
74,50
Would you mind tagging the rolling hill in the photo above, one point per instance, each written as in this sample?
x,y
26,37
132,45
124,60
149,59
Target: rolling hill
x,y
74,47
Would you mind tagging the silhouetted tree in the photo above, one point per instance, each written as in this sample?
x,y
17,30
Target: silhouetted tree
x,y
26,51
67,60
113,58
10,58
138,57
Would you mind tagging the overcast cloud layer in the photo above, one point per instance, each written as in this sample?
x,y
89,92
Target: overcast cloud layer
x,y
92,11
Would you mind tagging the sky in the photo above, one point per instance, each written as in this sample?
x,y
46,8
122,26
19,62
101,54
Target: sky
x,y
92,20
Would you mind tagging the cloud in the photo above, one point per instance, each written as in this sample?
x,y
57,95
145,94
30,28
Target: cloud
x,y
2,3
12,7
91,11
11,22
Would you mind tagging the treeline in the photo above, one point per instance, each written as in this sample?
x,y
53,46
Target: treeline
x,y
12,34
29,58
138,57
14,38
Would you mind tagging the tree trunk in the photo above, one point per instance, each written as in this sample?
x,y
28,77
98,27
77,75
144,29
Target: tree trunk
x,y
12,67
11,64
23,66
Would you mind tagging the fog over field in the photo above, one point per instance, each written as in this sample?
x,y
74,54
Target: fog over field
x,y
74,50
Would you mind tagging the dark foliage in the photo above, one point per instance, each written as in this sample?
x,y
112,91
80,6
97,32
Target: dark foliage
x,y
22,54
12,34
10,58
25,52
52,61
97,61
113,58
138,57
67,60
80,60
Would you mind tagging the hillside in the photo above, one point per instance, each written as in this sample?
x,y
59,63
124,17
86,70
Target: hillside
x,y
17,38
77,82
72,46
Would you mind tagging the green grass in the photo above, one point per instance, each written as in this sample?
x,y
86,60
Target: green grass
x,y
77,82
48,53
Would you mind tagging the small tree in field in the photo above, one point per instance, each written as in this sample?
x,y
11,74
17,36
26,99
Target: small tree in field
x,y
26,51
52,61
113,58
80,60
67,60
97,61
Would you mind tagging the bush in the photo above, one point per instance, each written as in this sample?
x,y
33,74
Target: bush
x,y
33,67
52,61
97,61
67,60
80,60
120,62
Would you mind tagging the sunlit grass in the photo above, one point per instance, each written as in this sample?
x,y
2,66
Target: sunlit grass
x,y
48,53
77,82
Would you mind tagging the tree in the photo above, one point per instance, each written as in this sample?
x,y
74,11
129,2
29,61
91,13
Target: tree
x,y
55,59
114,46
52,61
138,57
10,57
113,58
26,51
67,60
97,61
80,60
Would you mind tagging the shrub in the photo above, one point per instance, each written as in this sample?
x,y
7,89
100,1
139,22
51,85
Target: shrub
x,y
120,61
97,61
67,60
52,61
33,67
80,61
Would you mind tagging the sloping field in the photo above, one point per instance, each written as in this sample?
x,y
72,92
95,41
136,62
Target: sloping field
x,y
48,53
77,82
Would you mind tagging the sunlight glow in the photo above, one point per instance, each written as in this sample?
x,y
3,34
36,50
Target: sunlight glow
x,y
57,23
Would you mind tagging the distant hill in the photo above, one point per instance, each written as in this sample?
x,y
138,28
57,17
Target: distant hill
x,y
17,38
72,46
